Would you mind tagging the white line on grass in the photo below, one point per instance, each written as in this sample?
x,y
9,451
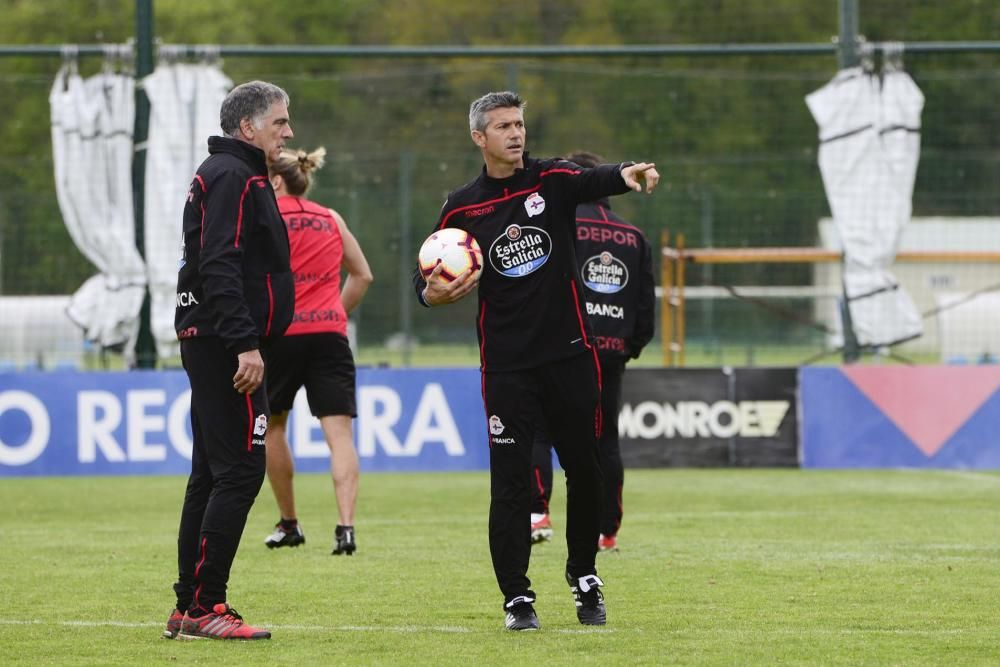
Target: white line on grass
x,y
333,628
409,629
977,476
400,629
403,629
81,624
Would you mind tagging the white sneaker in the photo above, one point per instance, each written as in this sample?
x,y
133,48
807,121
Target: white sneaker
x,y
282,538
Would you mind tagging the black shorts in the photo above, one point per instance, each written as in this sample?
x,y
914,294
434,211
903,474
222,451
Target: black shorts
x,y
322,363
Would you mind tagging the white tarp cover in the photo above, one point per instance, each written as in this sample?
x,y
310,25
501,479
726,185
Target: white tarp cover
x,y
185,101
92,123
35,332
969,326
869,132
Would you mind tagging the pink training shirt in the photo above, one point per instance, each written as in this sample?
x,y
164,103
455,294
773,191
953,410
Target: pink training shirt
x,y
317,250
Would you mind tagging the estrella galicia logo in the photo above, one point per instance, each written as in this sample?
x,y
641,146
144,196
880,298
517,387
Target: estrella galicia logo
x,y
605,273
520,250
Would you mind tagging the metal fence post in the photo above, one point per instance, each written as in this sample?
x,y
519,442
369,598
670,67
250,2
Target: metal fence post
x,y
406,255
847,55
847,43
145,346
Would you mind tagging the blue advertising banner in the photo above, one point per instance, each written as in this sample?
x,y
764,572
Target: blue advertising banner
x,y
138,422
900,417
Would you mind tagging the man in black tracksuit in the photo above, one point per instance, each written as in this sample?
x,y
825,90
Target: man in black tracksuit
x,y
616,269
537,359
234,293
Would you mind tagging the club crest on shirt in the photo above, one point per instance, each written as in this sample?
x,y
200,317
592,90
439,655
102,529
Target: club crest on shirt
x,y
534,204
604,273
520,251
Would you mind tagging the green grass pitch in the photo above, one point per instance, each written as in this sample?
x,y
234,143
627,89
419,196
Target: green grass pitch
x,y
716,567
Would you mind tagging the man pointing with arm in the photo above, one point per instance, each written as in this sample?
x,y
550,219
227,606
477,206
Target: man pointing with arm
x,y
537,359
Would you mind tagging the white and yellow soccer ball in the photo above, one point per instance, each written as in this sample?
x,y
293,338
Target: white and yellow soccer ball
x,y
454,248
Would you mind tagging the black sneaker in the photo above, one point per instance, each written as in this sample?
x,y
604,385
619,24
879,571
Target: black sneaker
x,y
285,536
589,600
344,541
520,614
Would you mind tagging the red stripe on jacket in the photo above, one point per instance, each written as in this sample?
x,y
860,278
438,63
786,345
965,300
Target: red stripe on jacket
x,y
239,218
201,204
507,196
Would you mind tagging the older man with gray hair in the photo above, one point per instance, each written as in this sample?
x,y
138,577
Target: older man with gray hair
x,y
234,295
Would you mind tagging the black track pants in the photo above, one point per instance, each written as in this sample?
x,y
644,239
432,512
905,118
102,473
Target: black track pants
x,y
227,469
564,395
608,448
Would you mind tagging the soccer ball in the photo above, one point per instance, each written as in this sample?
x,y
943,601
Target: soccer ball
x,y
456,249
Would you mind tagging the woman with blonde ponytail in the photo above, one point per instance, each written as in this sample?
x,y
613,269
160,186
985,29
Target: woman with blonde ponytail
x,y
314,351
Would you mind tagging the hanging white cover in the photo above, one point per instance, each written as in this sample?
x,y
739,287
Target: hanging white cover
x,y
869,131
92,123
185,100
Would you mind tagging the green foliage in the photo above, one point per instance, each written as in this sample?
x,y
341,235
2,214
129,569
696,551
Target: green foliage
x,y
720,567
731,135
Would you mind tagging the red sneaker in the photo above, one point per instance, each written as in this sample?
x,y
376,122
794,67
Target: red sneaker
x,y
607,543
222,623
173,624
541,530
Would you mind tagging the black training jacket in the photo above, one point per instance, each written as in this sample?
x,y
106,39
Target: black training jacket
x,y
531,308
616,269
235,278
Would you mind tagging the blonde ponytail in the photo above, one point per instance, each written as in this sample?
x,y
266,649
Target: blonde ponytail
x,y
296,168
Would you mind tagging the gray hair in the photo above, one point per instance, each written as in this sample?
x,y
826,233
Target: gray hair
x,y
249,100
488,102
